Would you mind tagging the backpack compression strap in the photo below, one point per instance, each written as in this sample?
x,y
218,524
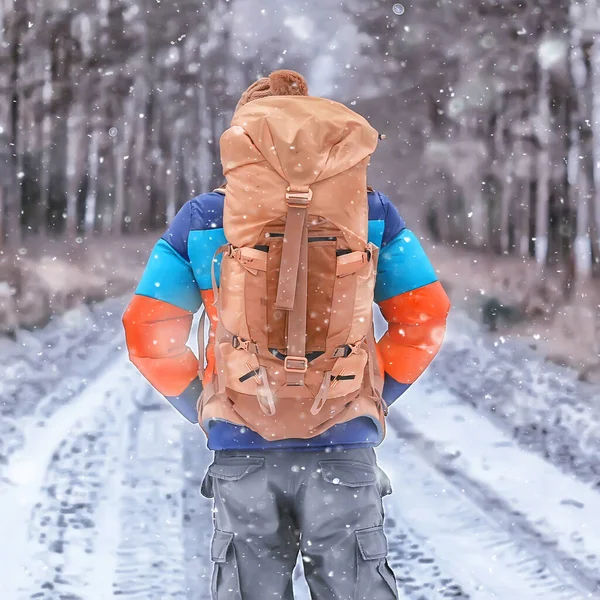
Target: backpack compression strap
x,y
292,288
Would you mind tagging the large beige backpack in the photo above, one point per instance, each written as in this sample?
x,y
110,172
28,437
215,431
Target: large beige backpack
x,y
294,345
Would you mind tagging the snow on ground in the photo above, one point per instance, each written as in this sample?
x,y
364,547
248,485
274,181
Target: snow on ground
x,y
46,369
96,500
100,479
476,455
543,406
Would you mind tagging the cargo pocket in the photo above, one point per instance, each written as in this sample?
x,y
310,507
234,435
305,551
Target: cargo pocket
x,y
231,468
374,578
348,473
225,579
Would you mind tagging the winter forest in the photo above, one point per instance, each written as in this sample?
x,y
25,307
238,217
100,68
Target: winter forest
x,y
111,112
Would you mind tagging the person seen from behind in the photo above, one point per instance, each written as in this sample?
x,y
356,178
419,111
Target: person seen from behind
x,y
292,389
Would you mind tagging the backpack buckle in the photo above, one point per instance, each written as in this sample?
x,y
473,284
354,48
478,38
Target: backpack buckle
x,y
298,198
295,364
239,343
348,349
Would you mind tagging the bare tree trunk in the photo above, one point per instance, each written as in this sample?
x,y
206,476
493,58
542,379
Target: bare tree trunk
x,y
174,172
116,225
505,209
523,200
160,178
120,148
172,177
203,163
543,171
92,189
3,195
76,158
46,140
158,184
138,143
7,182
503,163
213,149
595,81
12,199
474,216
13,221
579,192
477,216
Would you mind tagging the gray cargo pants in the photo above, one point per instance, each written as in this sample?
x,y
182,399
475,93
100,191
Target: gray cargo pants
x,y
270,505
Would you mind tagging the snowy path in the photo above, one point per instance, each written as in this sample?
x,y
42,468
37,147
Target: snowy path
x,y
100,499
98,510
451,537
536,501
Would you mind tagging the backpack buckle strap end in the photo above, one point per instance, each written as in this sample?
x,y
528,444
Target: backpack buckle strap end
x,y
251,259
352,262
341,352
322,394
265,396
239,343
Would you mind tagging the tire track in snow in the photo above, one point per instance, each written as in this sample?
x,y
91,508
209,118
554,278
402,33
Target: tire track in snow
x,y
96,504
445,544
529,495
197,516
69,525
31,470
150,555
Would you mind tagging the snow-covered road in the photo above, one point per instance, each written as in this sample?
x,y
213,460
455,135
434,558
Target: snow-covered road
x,y
99,488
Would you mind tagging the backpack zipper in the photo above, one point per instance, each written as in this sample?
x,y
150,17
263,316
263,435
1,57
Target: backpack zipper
x,y
310,239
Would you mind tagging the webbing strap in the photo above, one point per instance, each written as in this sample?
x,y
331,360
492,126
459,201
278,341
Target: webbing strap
x,y
348,349
298,202
201,351
220,250
241,344
352,262
292,287
251,259
295,364
375,375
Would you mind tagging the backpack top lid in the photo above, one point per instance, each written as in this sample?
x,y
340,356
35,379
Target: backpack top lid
x,y
303,138
296,141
